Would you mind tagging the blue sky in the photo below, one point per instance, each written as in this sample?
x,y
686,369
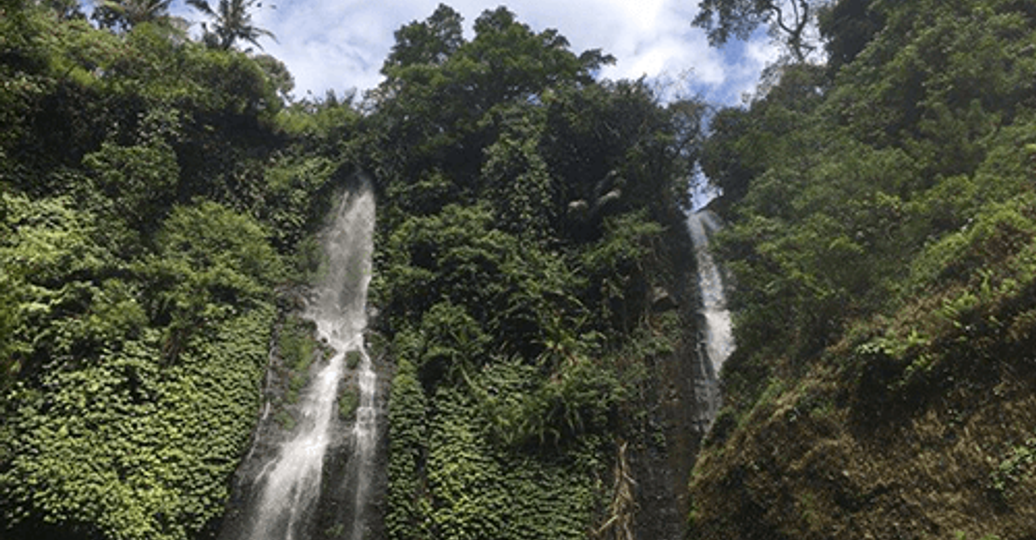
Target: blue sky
x,y
340,44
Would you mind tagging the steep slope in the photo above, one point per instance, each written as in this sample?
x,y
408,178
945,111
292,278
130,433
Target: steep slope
x,y
159,209
883,237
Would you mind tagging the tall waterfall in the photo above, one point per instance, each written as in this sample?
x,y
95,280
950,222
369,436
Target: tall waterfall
x,y
292,484
717,338
340,314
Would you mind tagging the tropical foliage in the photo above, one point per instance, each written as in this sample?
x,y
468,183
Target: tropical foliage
x,y
160,197
232,21
139,269
881,243
160,203
790,21
526,209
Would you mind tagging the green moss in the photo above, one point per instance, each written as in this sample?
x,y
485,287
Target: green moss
x,y
285,420
348,401
1020,461
296,349
335,531
352,359
296,343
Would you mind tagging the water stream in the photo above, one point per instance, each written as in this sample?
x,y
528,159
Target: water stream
x,y
340,310
717,338
364,432
291,484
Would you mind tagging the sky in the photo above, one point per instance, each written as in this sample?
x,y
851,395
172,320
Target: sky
x,y
340,45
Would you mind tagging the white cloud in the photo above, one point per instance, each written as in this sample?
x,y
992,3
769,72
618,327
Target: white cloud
x,y
341,44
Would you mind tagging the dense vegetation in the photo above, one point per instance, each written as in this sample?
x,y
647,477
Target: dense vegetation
x,y
161,198
882,240
528,215
160,203
155,192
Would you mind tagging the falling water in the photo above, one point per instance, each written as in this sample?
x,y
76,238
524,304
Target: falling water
x,y
291,484
718,338
364,437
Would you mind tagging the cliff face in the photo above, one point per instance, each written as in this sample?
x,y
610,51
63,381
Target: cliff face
x,y
459,463
661,469
674,403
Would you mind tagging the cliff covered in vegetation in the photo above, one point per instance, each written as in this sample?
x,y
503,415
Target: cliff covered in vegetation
x,y
155,193
882,239
531,222
160,206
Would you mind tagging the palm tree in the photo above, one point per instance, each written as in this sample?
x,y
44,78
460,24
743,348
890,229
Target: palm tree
x,y
233,21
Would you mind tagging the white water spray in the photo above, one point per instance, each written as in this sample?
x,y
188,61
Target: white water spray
x,y
292,483
718,335
365,432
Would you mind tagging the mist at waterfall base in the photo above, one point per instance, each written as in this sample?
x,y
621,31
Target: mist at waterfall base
x,y
314,481
716,337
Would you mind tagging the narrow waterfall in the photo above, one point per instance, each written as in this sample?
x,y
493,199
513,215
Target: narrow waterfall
x,y
365,432
340,313
717,336
297,478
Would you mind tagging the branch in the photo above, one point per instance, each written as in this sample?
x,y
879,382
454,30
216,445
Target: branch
x,y
795,34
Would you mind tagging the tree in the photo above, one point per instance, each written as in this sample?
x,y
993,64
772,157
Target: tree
x,y
126,14
66,10
722,19
233,21
211,263
847,26
278,75
429,42
727,158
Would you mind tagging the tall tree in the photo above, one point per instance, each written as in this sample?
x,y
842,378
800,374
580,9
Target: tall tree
x,y
428,42
66,10
125,14
233,22
847,26
739,18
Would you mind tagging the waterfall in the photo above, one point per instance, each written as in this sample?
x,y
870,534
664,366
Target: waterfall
x,y
717,337
291,486
364,438
340,312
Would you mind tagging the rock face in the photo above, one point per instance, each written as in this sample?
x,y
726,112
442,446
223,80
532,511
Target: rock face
x,y
335,507
662,300
662,466
676,401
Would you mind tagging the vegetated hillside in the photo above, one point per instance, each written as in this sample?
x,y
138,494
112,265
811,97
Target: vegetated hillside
x,y
883,239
